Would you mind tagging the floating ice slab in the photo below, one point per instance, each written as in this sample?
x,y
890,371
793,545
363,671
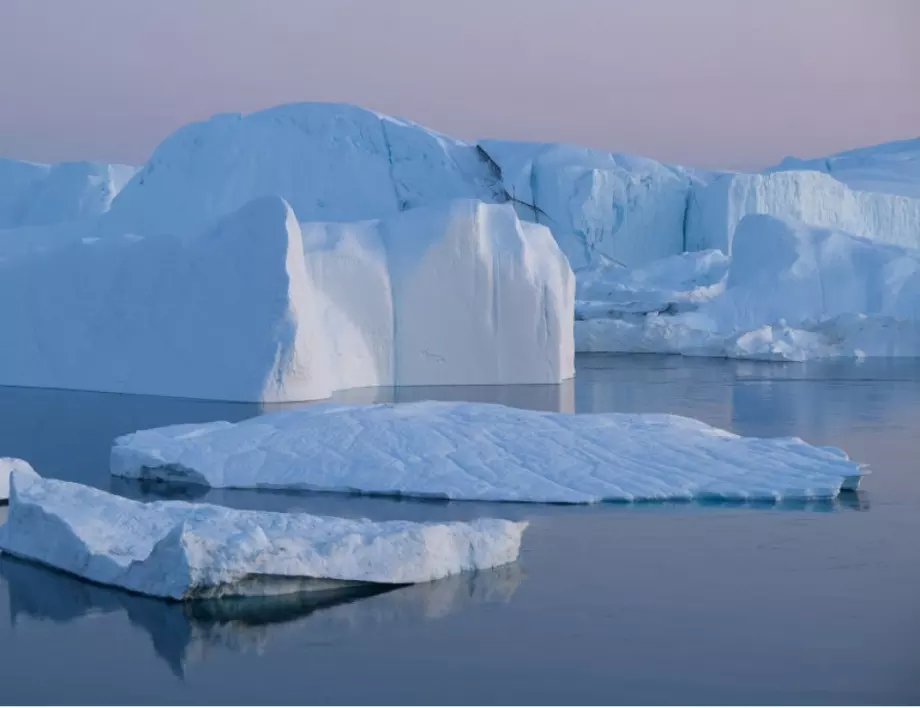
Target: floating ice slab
x,y
180,551
485,452
8,465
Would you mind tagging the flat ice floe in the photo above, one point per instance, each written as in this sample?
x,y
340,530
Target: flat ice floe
x,y
486,452
181,551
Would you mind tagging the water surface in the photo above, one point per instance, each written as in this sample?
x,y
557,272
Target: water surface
x,y
663,603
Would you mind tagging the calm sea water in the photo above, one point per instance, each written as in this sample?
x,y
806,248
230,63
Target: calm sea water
x,y
686,603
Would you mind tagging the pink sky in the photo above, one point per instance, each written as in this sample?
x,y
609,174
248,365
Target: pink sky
x,y
730,83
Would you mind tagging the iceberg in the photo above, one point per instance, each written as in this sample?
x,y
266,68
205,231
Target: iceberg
x,y
262,308
330,162
892,168
791,292
602,207
33,194
487,452
814,198
9,465
181,551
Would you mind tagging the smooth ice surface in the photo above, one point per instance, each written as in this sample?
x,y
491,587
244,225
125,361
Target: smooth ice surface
x,y
486,452
186,635
180,551
227,314
262,308
8,465
791,291
602,207
38,195
814,198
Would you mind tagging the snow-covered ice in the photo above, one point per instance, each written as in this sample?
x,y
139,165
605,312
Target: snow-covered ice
x,y
477,451
602,207
178,550
892,167
262,308
330,162
8,465
33,194
791,291
814,198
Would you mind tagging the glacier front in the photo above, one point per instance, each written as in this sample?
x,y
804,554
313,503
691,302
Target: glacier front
x,y
488,452
180,551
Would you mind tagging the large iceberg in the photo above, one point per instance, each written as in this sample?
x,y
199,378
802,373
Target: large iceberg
x,y
791,291
477,451
33,194
892,167
814,198
602,207
179,550
262,308
331,162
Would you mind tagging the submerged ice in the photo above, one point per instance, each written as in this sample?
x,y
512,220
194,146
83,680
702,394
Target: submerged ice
x,y
485,452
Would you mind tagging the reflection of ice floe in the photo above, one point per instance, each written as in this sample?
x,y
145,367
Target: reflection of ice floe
x,y
183,634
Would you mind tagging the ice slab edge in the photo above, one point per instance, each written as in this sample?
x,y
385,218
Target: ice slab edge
x,y
180,551
486,452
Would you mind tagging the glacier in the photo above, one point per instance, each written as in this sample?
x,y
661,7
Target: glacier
x,y
261,307
180,551
485,452
790,292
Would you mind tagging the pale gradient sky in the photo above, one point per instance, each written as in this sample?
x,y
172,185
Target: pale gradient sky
x,y
705,82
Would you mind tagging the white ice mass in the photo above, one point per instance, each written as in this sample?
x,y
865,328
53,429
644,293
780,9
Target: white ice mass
x,y
488,452
8,465
179,550
309,248
790,291
262,308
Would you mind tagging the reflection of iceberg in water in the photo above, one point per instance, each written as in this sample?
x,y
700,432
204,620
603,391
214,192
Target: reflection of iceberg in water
x,y
184,633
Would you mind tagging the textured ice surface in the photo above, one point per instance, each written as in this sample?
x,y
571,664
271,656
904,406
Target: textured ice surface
x,y
180,550
330,162
260,308
812,197
38,195
8,465
890,167
602,207
791,291
484,452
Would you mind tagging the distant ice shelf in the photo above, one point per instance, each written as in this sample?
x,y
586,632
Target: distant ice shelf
x,y
486,452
